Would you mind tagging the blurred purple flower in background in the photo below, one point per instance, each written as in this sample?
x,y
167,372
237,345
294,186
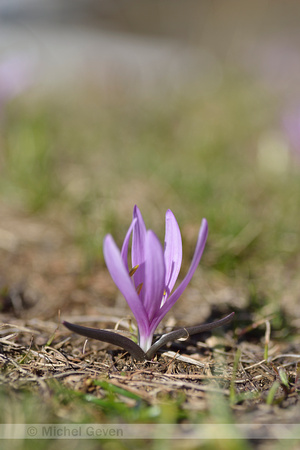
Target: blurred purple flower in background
x,y
148,286
291,127
16,75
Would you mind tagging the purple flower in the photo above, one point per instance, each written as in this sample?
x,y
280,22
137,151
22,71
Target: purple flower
x,y
16,75
291,127
148,286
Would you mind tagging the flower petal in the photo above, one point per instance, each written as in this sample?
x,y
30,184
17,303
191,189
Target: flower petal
x,y
154,275
177,293
124,251
123,281
138,250
173,252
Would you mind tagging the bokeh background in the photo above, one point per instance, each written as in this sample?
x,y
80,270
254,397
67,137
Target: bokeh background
x,y
192,106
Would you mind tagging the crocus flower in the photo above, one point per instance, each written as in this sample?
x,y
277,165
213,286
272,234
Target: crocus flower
x,y
16,75
148,285
291,128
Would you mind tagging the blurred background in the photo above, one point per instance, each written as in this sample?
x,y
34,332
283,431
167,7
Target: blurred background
x,y
167,39
192,106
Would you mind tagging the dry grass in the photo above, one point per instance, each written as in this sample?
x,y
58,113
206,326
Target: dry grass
x,y
191,374
257,375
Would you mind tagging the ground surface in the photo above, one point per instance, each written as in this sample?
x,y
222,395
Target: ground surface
x,y
212,379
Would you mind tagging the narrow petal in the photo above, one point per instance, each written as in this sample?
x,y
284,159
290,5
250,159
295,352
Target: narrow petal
x,y
138,250
124,251
123,281
138,238
178,292
173,251
154,275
